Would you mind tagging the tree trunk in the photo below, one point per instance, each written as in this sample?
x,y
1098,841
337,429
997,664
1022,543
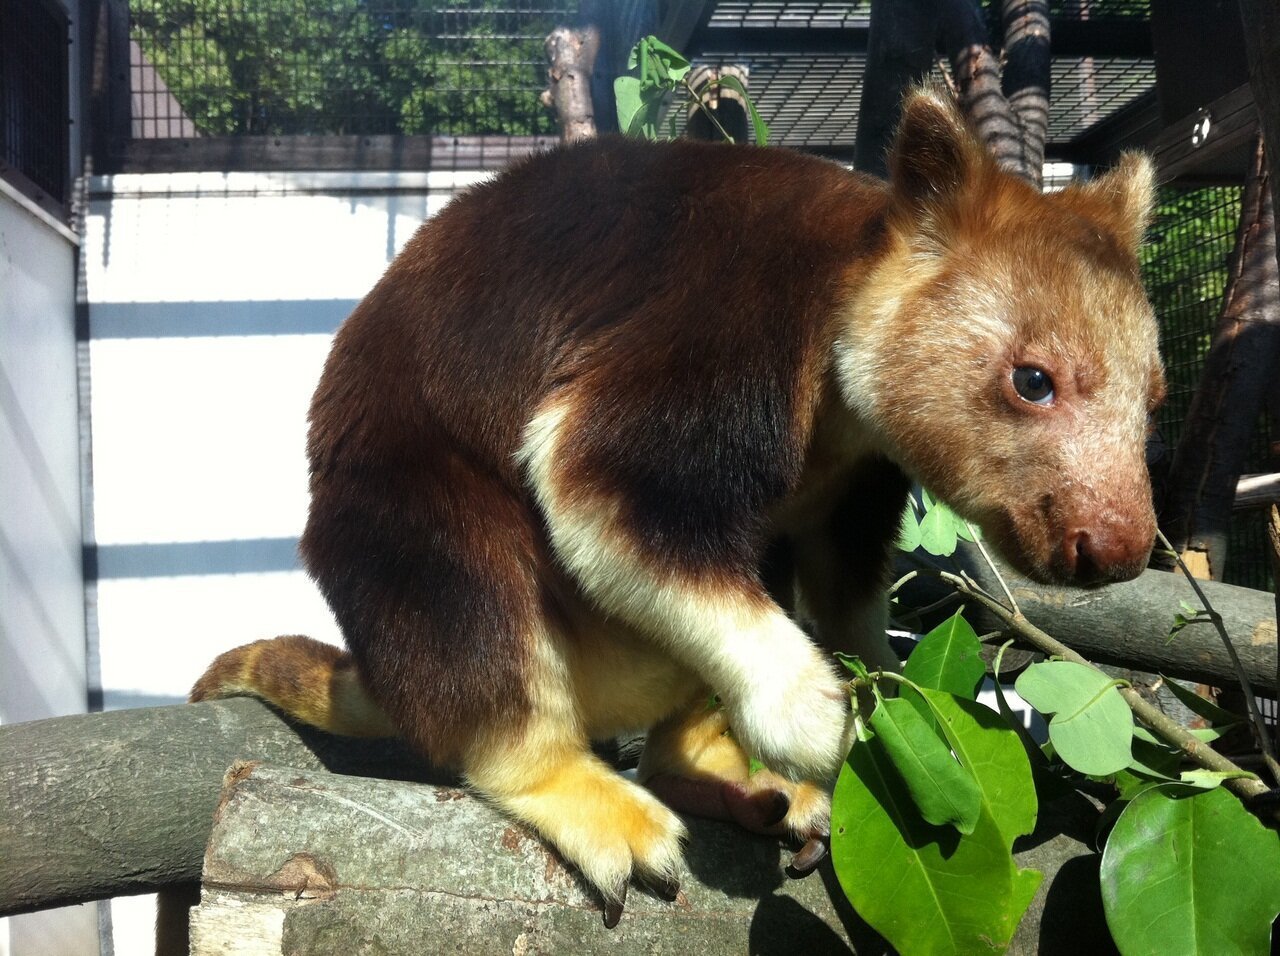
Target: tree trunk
x,y
1262,45
1025,81
725,104
1238,372
900,52
109,804
572,55
1010,113
100,805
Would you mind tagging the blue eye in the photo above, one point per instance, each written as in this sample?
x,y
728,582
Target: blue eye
x,y
1033,384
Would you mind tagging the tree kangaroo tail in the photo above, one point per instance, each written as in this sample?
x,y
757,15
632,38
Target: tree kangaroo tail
x,y
312,682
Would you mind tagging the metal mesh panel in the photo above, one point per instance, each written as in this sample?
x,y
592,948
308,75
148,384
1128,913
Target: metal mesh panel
x,y
1185,269
364,67
33,96
1086,90
832,13
812,100
780,13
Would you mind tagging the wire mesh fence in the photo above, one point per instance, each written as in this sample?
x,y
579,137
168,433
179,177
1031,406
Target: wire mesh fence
x,y
34,113
342,67
1185,270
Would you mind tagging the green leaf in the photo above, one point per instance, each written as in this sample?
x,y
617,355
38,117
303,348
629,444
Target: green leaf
x,y
1092,727
626,92
854,664
759,126
989,748
1200,706
672,60
943,791
938,531
1190,872
909,530
1154,757
1130,784
948,658
927,889
1209,734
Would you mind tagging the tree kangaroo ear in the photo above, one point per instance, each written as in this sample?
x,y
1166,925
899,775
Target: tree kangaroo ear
x,y
934,154
1123,199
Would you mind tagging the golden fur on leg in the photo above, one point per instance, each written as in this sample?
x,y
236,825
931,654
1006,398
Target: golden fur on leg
x,y
696,746
547,776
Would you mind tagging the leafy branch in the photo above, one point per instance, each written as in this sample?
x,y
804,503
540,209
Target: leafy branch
x,y
661,71
923,822
1166,727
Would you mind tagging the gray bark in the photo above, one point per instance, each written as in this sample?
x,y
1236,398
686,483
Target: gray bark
x,y
571,55
109,804
306,862
101,805
1128,624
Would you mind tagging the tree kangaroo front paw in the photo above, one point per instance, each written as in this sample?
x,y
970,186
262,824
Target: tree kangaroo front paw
x,y
798,724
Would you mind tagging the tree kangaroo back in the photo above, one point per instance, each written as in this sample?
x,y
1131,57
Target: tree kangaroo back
x,y
558,446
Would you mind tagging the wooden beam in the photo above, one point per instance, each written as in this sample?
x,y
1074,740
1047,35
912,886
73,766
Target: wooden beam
x,y
1197,140
1071,38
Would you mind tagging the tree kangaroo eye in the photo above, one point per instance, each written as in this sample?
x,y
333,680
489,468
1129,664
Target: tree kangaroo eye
x,y
1033,384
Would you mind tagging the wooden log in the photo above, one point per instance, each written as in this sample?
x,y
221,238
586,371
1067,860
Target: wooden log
x,y
571,56
307,862
100,805
1128,624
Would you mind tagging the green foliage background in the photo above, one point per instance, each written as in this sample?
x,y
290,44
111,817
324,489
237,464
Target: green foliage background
x,y
1184,266
263,67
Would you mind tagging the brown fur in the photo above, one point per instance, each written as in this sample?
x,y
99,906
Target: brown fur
x,y
597,403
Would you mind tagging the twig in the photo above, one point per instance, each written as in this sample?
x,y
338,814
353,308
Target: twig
x,y
917,614
1164,726
893,588
994,570
1251,703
